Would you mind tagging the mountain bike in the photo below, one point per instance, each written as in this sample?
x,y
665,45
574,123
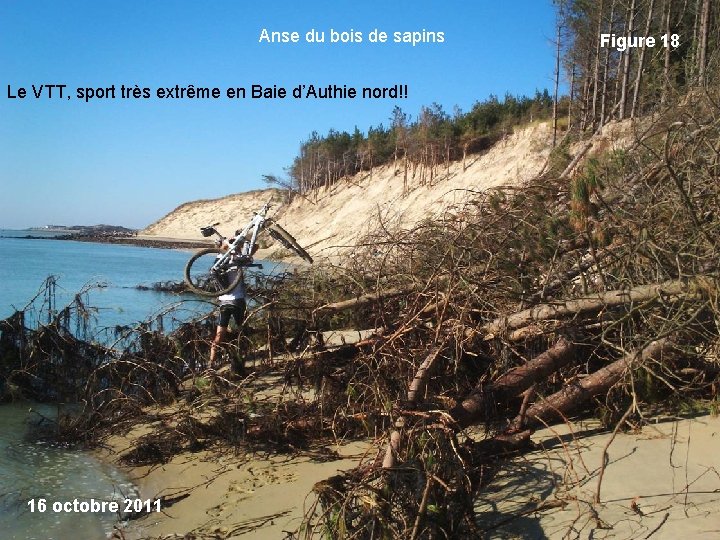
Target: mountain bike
x,y
216,270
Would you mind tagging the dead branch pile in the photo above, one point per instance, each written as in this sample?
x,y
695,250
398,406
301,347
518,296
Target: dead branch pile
x,y
523,307
51,355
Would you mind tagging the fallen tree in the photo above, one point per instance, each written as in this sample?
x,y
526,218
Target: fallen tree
x,y
478,406
688,289
360,301
580,391
627,255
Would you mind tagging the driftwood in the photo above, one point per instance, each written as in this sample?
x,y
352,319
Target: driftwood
x,y
474,408
594,302
359,301
580,391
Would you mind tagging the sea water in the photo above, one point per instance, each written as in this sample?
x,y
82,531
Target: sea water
x,y
111,273
31,471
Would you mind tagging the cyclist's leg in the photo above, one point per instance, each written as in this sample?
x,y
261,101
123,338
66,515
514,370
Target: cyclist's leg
x,y
221,332
238,358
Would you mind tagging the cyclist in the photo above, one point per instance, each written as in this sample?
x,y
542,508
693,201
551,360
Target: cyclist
x,y
231,305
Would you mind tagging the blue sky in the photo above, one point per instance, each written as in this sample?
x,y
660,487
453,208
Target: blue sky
x,y
129,162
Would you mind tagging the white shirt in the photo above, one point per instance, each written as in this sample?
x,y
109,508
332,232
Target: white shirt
x,y
238,293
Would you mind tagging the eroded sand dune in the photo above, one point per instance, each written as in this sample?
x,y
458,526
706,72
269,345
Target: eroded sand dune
x,y
327,220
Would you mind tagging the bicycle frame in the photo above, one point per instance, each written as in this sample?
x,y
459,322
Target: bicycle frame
x,y
230,255
246,249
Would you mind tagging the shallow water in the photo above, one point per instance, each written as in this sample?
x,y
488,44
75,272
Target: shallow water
x,y
35,471
117,269
28,471
32,471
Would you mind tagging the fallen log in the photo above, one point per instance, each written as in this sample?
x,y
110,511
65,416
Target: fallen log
x,y
576,160
342,354
417,386
474,408
360,301
595,302
580,391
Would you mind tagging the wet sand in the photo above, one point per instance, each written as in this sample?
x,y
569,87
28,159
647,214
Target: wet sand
x,y
247,495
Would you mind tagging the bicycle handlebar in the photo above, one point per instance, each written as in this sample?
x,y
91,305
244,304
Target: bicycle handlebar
x,y
264,210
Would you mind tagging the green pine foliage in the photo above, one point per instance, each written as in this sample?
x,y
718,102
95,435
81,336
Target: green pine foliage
x,y
431,140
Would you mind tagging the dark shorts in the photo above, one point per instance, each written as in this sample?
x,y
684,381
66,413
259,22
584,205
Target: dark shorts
x,y
237,311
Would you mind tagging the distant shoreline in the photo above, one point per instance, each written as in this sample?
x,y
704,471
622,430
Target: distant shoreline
x,y
148,241
50,230
161,243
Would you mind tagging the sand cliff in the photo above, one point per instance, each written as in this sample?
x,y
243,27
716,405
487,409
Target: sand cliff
x,y
326,221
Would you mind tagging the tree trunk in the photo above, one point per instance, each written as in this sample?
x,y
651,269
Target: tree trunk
x,y
557,77
627,57
580,391
593,302
361,300
572,97
666,66
475,407
606,70
596,70
641,62
702,46
419,382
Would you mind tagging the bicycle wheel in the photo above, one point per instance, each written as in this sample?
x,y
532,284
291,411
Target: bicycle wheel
x,y
203,280
287,240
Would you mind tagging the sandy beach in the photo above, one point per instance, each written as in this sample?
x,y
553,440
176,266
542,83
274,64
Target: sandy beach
x,y
225,491
661,481
233,495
